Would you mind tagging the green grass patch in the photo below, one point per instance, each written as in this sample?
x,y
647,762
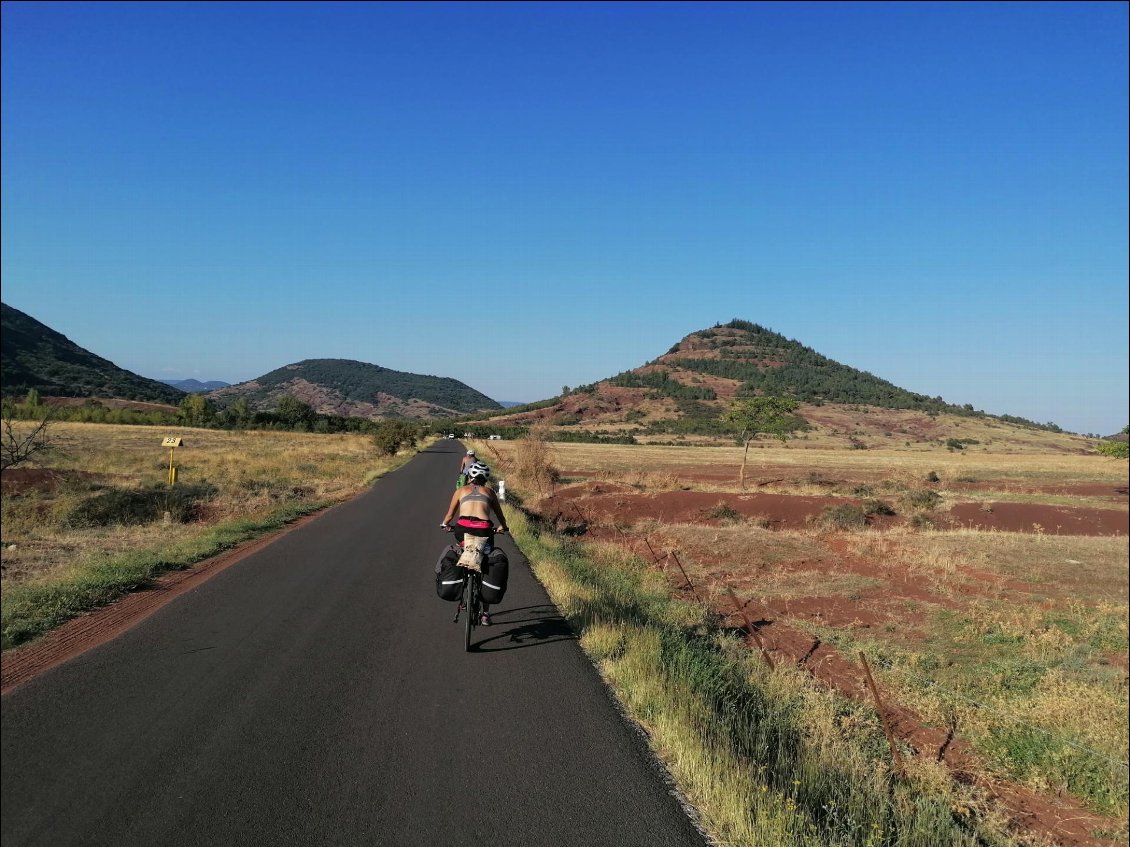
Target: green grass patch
x,y
1026,688
29,610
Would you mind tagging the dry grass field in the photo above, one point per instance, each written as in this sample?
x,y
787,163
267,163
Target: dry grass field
x,y
252,472
989,589
87,520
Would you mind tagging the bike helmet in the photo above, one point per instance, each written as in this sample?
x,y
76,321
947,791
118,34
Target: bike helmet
x,y
470,452
478,471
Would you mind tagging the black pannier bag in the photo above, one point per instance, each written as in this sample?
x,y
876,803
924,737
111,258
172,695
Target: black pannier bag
x,y
496,570
449,576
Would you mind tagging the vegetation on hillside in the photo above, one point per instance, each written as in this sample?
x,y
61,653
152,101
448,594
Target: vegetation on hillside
x,y
768,363
36,357
362,382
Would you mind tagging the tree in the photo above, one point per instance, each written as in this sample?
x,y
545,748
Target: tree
x,y
195,410
761,415
16,448
294,413
390,435
239,413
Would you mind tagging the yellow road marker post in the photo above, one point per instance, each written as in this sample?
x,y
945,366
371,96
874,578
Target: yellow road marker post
x,y
172,442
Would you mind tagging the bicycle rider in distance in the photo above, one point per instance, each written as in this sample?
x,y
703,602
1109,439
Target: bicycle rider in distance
x,y
475,502
468,460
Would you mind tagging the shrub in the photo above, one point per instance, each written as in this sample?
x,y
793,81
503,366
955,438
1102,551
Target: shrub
x,y
922,521
877,507
533,463
922,500
724,512
933,477
960,443
130,508
846,516
1114,449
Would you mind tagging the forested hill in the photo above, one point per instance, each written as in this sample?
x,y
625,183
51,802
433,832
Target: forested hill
x,y
688,388
347,387
765,362
34,356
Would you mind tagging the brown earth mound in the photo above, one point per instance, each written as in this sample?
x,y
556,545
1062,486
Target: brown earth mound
x,y
611,503
1039,518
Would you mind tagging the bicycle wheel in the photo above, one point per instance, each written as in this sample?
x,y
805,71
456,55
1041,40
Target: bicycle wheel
x,y
471,601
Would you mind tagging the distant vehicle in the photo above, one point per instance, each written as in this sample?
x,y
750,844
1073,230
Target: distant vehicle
x,y
494,438
450,435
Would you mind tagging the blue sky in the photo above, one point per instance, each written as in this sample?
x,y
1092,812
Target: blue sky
x,y
526,196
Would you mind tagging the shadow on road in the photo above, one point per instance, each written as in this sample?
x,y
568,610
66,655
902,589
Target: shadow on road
x,y
531,626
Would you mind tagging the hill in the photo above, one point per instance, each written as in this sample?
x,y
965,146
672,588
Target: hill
x,y
195,386
32,355
358,389
682,394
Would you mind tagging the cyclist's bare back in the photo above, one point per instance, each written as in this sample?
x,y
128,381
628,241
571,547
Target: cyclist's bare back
x,y
475,501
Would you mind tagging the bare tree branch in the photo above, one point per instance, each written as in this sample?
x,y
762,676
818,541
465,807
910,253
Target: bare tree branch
x,y
17,448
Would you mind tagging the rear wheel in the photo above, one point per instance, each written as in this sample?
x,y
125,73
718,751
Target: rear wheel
x,y
471,601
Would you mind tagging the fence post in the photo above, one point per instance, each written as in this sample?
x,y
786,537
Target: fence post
x,y
654,555
895,754
750,629
580,514
694,591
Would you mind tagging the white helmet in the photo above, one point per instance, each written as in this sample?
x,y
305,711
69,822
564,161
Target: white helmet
x,y
478,471
470,452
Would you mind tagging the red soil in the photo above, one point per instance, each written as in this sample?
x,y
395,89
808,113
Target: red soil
x,y
1039,518
605,502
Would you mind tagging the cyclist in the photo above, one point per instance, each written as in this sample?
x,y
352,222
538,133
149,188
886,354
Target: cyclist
x,y
474,503
468,460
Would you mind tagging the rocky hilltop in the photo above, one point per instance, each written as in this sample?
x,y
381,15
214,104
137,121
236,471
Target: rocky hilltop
x,y
682,394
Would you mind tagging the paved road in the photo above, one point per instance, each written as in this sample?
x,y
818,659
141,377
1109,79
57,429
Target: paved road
x,y
317,693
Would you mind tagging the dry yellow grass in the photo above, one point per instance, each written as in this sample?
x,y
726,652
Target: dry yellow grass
x,y
254,472
769,459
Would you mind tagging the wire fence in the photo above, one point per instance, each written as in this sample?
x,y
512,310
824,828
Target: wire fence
x,y
753,631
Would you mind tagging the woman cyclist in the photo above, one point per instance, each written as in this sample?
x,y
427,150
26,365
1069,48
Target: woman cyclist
x,y
468,460
474,503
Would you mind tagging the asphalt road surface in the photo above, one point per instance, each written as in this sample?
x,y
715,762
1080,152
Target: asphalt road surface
x,y
318,693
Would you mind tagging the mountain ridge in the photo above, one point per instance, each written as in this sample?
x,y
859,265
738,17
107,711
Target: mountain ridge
x,y
351,388
195,386
36,357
